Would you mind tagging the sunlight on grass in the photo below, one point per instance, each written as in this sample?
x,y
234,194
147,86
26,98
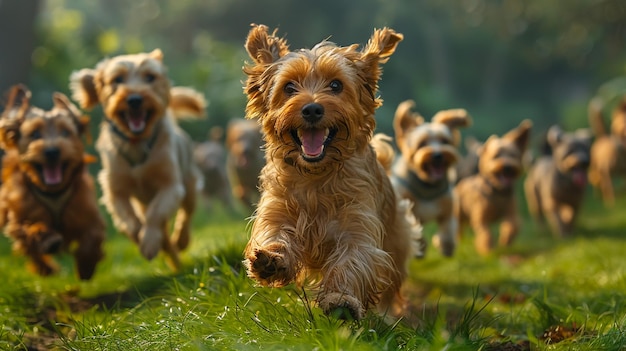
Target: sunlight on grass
x,y
461,303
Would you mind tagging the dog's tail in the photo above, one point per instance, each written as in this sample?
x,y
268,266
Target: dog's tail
x,y
187,103
596,121
385,154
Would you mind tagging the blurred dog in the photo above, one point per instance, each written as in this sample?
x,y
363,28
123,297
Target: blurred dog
x,y
555,185
327,210
210,156
245,159
608,151
48,200
422,172
488,197
148,172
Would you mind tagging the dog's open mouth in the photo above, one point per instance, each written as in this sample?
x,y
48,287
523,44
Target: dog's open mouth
x,y
51,173
437,168
579,176
313,142
137,119
506,176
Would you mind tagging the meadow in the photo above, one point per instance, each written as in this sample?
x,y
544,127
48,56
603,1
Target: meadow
x,y
541,293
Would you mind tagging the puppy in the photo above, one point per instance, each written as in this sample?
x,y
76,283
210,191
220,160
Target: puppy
x,y
245,159
488,197
468,163
422,172
148,172
328,213
555,185
608,151
210,156
48,200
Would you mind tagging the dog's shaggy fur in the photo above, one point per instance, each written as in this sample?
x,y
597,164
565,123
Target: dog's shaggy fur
x,y
556,183
210,156
245,159
48,199
488,197
147,168
422,172
327,210
608,151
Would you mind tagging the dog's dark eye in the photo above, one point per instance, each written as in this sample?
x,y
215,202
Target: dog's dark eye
x,y
149,77
336,86
35,134
290,88
118,79
65,133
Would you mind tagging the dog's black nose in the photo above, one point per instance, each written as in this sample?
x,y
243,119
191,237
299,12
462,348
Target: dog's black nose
x,y
134,101
52,154
437,157
312,112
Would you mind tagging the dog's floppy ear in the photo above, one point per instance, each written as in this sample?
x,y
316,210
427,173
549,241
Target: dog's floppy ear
x,y
265,48
520,135
83,87
17,105
380,46
453,118
405,120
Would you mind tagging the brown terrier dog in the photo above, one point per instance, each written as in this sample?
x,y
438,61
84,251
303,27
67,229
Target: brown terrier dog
x,y
488,197
608,151
556,183
48,200
245,159
148,171
421,173
327,206
210,156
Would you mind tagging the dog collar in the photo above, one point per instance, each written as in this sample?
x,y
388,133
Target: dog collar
x,y
421,189
134,144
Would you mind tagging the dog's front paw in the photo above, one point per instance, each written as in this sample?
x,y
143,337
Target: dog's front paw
x,y
444,244
269,268
341,305
150,242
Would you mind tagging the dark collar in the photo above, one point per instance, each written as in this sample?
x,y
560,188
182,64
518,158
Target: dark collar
x,y
493,190
134,150
421,189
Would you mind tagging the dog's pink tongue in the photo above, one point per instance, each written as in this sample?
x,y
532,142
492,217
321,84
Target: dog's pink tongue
x,y
579,177
437,171
312,141
52,175
137,121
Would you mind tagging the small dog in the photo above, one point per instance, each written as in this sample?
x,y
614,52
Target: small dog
x,y
210,156
327,210
608,151
555,185
428,151
488,197
148,171
245,159
48,200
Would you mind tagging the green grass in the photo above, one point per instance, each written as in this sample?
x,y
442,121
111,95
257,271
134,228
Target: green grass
x,y
507,301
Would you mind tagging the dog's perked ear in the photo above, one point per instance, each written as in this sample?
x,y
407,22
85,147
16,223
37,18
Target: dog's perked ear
x,y
17,105
520,135
265,48
380,46
453,119
405,119
60,101
83,87
554,136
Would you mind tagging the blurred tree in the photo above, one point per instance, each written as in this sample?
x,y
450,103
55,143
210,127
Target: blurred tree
x,y
17,40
